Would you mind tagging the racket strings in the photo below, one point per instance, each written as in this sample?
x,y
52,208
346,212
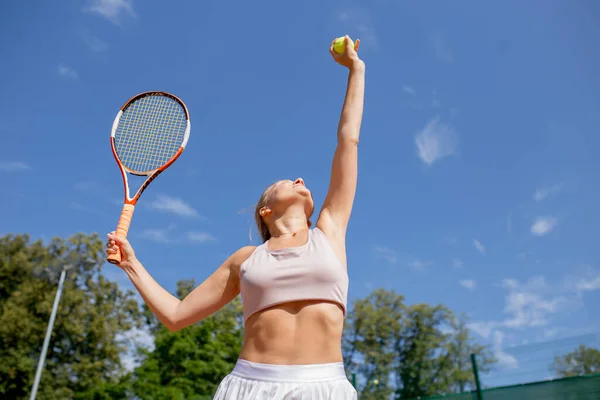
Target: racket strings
x,y
150,132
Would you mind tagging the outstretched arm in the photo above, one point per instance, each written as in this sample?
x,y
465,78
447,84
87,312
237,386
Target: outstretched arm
x,y
208,297
337,207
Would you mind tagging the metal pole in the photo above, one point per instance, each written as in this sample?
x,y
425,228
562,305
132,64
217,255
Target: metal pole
x,y
38,373
476,375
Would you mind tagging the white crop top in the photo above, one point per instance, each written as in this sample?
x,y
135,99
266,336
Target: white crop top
x,y
308,272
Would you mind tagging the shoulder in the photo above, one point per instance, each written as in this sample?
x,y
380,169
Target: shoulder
x,y
242,254
235,261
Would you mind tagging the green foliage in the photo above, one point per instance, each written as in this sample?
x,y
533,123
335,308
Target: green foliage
x,y
94,313
459,349
371,330
581,361
189,364
408,351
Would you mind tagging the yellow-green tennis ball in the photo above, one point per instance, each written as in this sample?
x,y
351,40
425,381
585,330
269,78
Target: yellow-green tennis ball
x,y
339,46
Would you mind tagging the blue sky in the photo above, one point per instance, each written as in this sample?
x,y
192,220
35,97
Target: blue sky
x,y
478,182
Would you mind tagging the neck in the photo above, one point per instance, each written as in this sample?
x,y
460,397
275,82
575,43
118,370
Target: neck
x,y
288,224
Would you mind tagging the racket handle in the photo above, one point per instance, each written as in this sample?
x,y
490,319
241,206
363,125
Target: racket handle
x,y
122,229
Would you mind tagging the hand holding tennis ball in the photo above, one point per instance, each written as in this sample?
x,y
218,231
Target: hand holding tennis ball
x,y
345,51
339,44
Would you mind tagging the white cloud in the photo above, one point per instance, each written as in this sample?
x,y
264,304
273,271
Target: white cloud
x,y
407,89
527,305
504,359
67,72
543,193
588,281
585,286
435,141
509,283
419,264
111,9
530,304
13,166
483,328
457,263
549,333
468,284
535,303
157,235
529,309
480,248
386,254
168,235
93,42
543,225
173,205
200,237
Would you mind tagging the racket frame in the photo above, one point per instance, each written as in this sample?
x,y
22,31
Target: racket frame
x,y
130,202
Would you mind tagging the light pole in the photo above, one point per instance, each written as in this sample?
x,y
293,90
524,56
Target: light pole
x,y
38,373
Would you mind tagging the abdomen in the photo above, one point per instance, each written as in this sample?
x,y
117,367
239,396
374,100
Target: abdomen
x,y
302,332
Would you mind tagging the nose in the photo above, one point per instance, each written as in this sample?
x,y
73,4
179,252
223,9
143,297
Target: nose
x,y
299,181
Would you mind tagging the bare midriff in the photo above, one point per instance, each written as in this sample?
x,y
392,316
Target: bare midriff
x,y
302,332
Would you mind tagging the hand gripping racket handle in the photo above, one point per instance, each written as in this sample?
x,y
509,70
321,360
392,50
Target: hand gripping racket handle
x,y
122,229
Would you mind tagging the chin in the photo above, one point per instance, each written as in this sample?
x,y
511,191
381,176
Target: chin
x,y
304,191
309,208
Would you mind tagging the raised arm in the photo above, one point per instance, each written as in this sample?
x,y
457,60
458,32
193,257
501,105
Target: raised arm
x,y
208,297
337,207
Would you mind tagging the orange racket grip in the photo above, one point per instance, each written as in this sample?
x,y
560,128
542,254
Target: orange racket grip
x,y
122,229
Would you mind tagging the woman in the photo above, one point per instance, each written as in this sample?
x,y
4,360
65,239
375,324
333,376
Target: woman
x,y
294,286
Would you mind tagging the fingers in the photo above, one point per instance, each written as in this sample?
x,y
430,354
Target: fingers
x,y
349,45
111,244
117,239
348,42
114,242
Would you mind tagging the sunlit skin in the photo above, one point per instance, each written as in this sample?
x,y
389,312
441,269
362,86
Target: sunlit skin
x,y
301,332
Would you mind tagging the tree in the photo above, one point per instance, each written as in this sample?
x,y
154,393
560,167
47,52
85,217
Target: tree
x,y
422,363
93,316
371,329
190,363
459,347
581,361
408,351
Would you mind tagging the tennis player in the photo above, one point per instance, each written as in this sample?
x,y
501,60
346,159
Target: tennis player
x,y
294,286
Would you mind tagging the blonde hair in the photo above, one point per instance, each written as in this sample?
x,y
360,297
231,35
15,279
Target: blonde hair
x,y
263,229
261,225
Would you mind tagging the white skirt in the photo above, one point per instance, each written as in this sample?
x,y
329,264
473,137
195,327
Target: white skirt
x,y
254,381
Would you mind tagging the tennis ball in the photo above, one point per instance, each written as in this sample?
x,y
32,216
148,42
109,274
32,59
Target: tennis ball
x,y
339,46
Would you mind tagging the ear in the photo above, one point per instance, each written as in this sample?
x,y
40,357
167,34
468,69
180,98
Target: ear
x,y
264,212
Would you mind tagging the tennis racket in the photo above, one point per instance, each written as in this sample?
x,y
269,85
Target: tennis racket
x,y
148,134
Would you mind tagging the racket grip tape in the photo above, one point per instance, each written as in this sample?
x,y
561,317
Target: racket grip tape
x,y
122,229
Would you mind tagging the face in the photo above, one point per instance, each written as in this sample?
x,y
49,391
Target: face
x,y
286,193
